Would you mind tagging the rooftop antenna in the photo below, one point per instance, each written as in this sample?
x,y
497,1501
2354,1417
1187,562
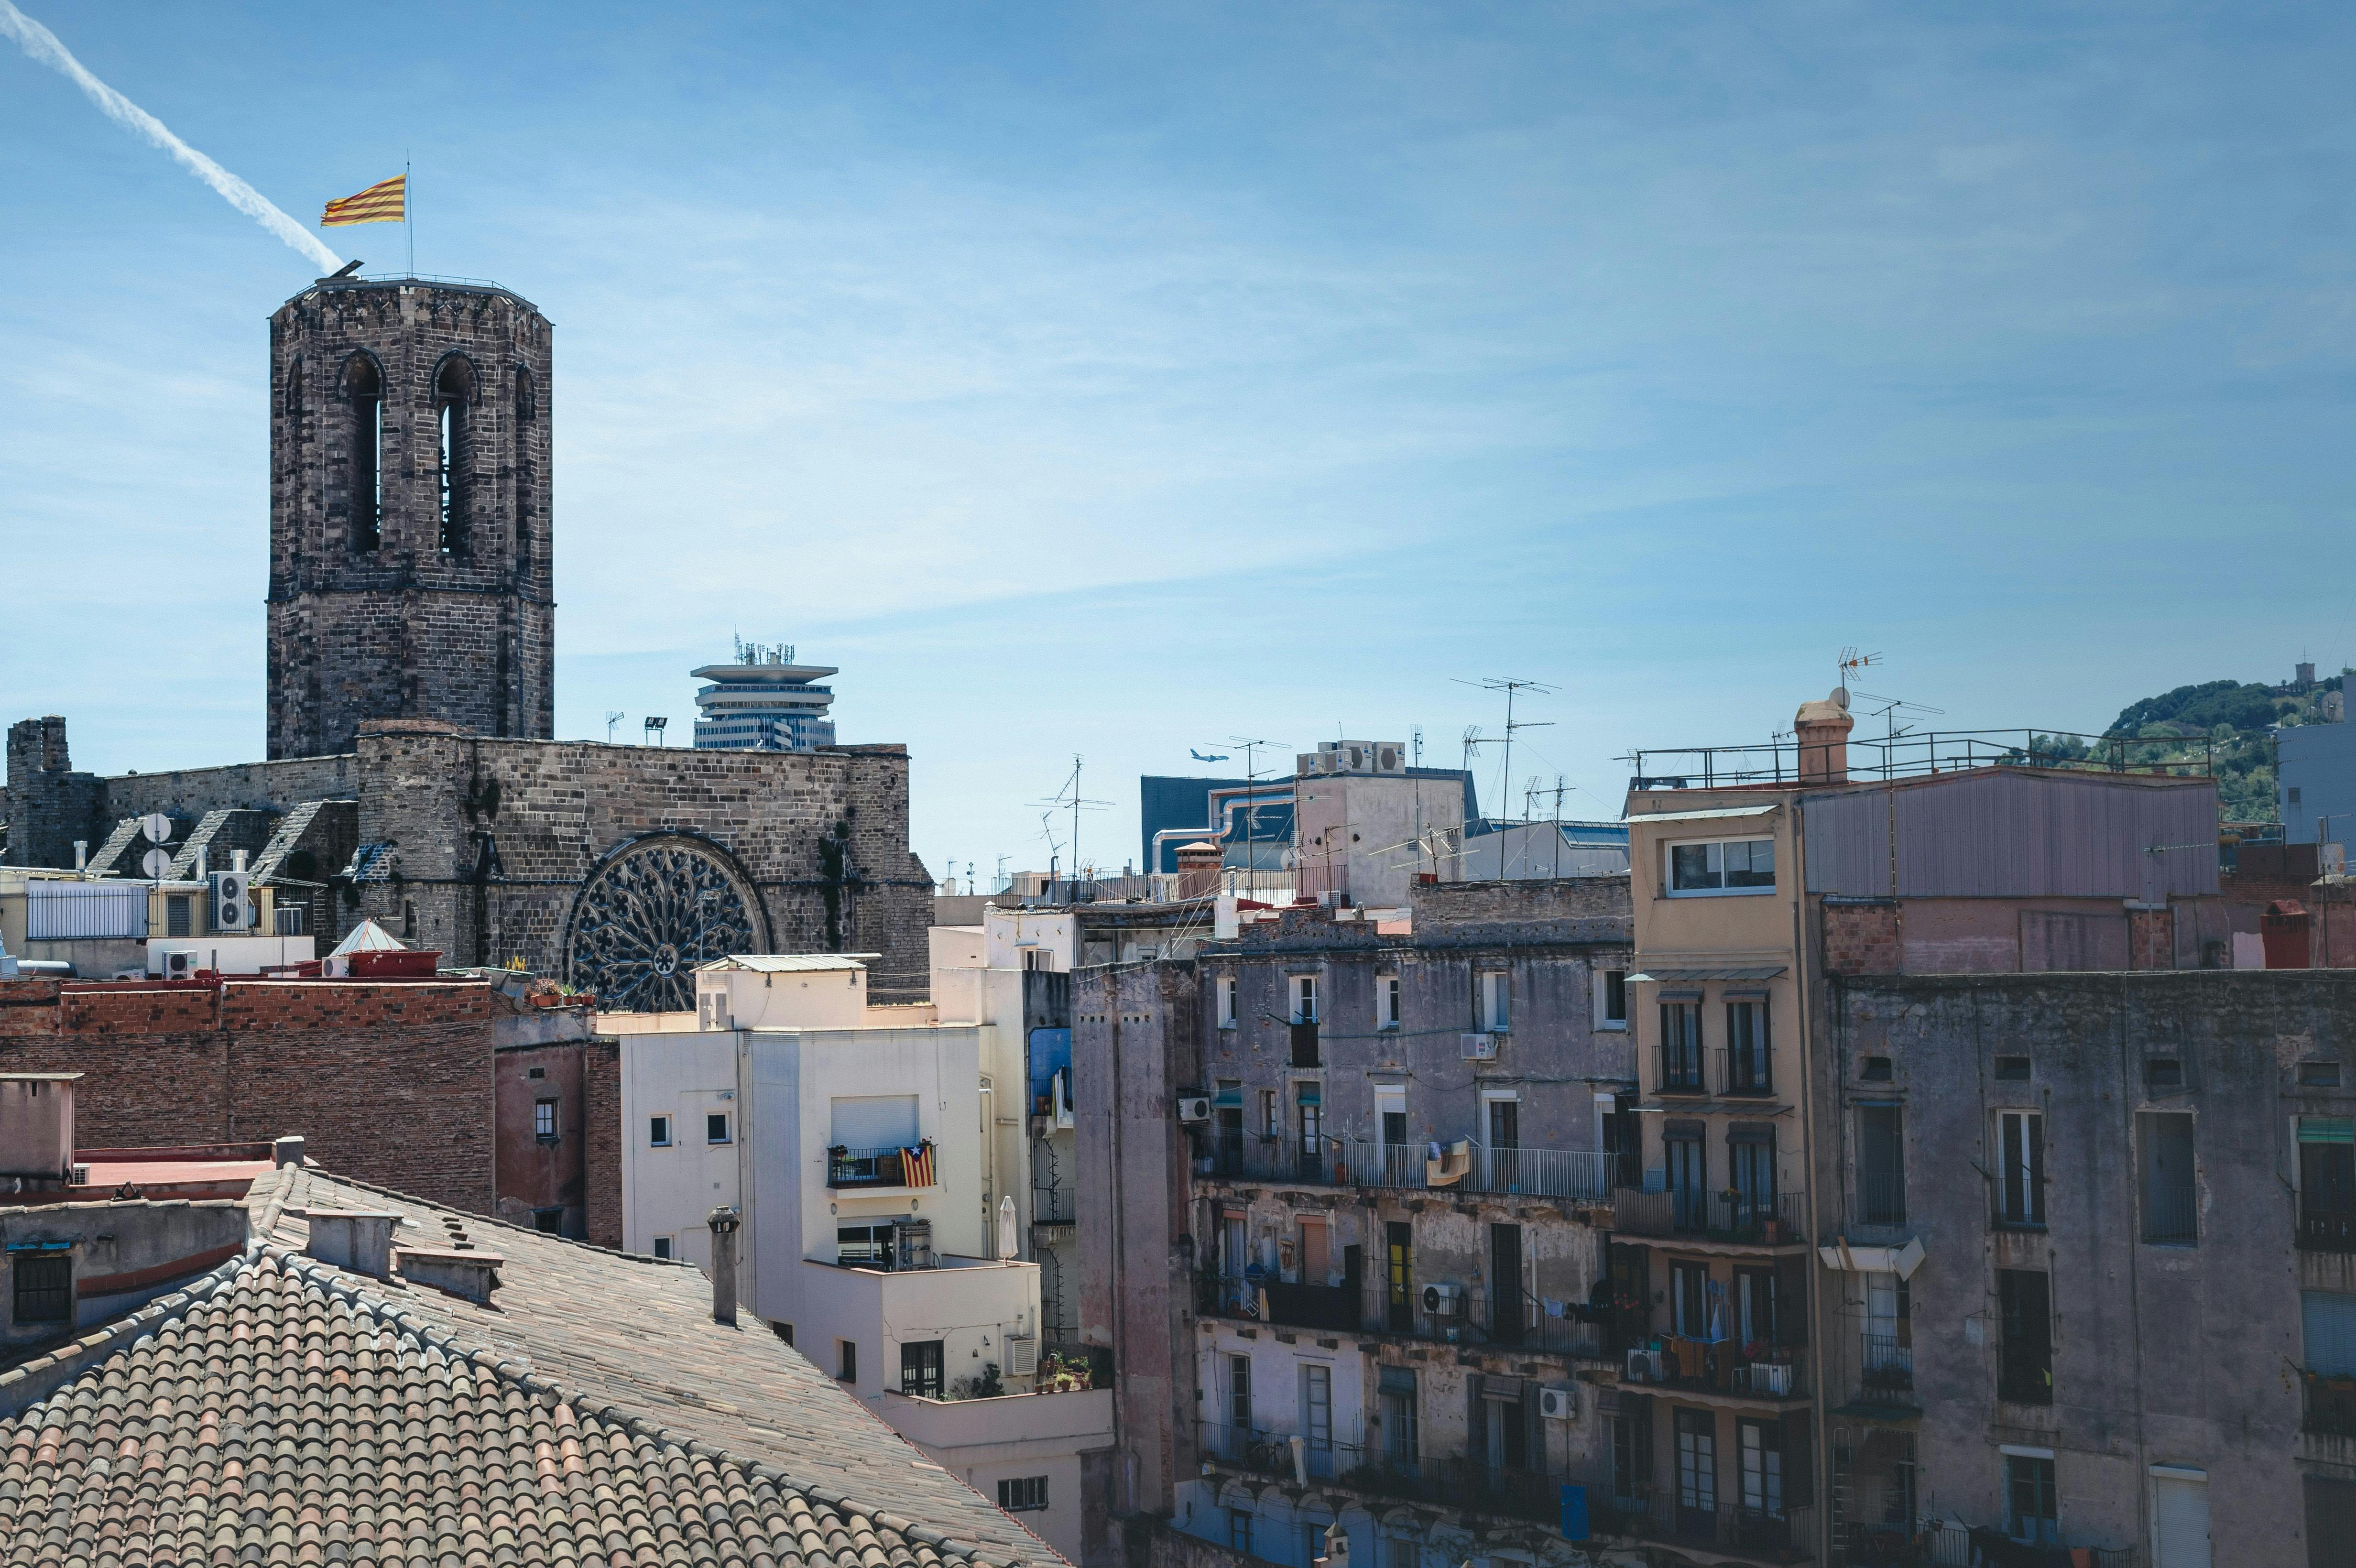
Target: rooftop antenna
x,y
1512,686
1069,798
1251,746
613,716
1415,735
1850,662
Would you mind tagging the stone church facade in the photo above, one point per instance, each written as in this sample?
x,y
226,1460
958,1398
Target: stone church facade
x,y
411,776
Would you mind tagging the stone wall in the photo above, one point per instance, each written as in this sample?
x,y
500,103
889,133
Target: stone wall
x,y
395,625
47,805
388,1083
601,1091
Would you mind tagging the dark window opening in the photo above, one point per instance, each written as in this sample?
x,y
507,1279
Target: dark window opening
x,y
1881,1164
659,1131
2020,1155
1023,1494
920,1369
2170,1201
44,1286
1681,1048
2164,1073
2029,1510
177,914
364,390
409,917
1750,1067
548,1222
454,393
527,407
2025,1357
2013,1067
2327,1184
537,1072
784,1331
715,1127
1615,996
1876,1070
846,1360
662,1247
2318,1074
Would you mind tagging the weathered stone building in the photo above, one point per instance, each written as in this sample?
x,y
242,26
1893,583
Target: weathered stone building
x,y
411,776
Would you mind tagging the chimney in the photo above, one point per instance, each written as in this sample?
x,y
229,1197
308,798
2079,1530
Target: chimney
x,y
1198,869
1822,731
37,1126
82,854
360,1240
460,1272
723,1223
286,1151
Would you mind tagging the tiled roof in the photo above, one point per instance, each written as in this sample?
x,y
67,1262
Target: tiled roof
x,y
280,1410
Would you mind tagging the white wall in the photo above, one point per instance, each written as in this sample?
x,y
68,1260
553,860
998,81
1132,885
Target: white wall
x,y
671,1191
1007,931
821,998
986,1441
970,1306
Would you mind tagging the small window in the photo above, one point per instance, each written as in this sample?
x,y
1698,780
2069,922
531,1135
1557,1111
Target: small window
x,y
44,1286
2012,1069
846,1360
1734,866
2163,1073
658,1132
2318,1074
1268,1126
409,917
1226,1001
1387,1001
1304,998
784,1331
544,1120
662,1247
2020,1155
1615,999
1876,1070
920,1369
1026,1494
548,1222
715,1127
1497,993
2029,1510
2293,794
537,1072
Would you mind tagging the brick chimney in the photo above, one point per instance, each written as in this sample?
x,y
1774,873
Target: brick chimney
x,y
723,1223
1822,731
1198,869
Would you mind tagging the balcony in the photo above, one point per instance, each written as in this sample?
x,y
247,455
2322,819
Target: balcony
x,y
1881,1197
1767,1533
1250,1297
1947,1544
2171,1214
1740,1220
1527,1326
1746,1073
1680,1071
1885,1371
2327,1229
1579,1175
2327,1403
1377,1470
1720,1368
856,1167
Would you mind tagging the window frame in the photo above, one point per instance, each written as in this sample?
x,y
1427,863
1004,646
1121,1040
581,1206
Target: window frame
x,y
846,1361
1300,991
659,1136
727,1130
1669,847
1225,1000
1493,1000
544,1126
1608,981
45,1261
663,1251
2020,1164
924,1368
1022,1494
1388,1011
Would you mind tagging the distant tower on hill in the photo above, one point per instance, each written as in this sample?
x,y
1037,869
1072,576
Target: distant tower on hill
x,y
763,702
409,513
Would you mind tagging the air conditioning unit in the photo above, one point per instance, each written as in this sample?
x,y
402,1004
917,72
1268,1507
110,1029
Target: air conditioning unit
x,y
1771,1379
1558,1404
1022,1356
1645,1367
1444,1300
1480,1048
81,1177
179,962
1193,1108
231,909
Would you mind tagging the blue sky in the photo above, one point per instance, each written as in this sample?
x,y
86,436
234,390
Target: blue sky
x,y
1117,379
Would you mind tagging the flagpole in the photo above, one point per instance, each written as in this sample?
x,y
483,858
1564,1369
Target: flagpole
x,y
408,224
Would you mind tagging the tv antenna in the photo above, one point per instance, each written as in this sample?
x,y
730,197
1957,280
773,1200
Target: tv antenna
x,y
614,717
1850,662
1251,749
1069,798
1415,739
1512,686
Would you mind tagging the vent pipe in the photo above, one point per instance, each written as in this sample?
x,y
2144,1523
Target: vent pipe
x,y
723,1223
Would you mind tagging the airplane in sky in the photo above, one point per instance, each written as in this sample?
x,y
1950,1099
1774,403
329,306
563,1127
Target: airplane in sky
x,y
1201,757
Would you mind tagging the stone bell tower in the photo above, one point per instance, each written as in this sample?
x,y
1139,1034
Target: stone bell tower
x,y
409,513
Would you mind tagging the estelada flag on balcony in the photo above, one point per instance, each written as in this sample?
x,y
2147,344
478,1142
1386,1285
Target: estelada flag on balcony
x,y
917,1164
387,201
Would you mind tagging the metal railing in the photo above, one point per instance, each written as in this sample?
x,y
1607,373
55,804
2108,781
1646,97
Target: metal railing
x,y
1372,1468
1580,1175
1765,1531
867,1168
1770,1221
1252,1297
1914,755
1256,1156
1680,1069
2327,1229
1762,1371
1881,1197
1885,1366
2327,1403
1746,1071
2172,1214
1949,1543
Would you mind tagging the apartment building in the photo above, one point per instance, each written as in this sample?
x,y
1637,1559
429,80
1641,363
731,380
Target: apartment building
x,y
1352,1268
881,1205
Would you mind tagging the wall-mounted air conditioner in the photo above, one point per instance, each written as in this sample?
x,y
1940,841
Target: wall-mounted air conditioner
x,y
1193,1108
1444,1300
1480,1048
1022,1356
1558,1404
1644,1367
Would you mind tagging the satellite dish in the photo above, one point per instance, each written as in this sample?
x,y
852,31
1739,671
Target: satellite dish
x,y
157,827
1840,698
157,864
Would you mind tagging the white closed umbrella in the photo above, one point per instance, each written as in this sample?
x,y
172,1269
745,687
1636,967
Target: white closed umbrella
x,y
1006,1242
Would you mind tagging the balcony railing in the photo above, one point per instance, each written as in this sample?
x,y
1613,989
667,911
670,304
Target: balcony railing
x,y
2327,1403
2172,1214
1244,1296
1745,1070
1881,1197
1400,1471
1946,1543
870,1167
1527,1323
1762,1371
1713,1215
1920,752
1579,1174
1680,1071
1764,1531
2327,1229
1885,1368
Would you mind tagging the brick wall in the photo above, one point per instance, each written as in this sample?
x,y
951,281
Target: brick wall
x,y
2151,939
601,1094
1861,938
388,1082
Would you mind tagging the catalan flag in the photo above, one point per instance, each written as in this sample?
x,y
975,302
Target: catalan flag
x,y
917,1164
383,202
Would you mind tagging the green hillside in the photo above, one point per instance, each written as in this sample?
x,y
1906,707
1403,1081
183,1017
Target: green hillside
x,y
2227,721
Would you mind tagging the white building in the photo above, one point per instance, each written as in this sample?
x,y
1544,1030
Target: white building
x,y
763,702
870,1152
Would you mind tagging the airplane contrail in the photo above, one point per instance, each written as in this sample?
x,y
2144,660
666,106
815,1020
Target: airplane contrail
x,y
42,45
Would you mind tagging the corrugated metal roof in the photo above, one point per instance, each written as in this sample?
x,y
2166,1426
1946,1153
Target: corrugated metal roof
x,y
791,963
1723,972
1720,812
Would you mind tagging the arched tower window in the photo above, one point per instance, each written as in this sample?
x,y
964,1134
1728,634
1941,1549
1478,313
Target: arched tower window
x,y
364,391
526,409
453,391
